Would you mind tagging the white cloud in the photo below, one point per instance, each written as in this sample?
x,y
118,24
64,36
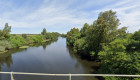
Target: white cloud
x,y
65,14
128,12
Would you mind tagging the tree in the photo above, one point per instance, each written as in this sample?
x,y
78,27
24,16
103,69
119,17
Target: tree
x,y
116,59
103,31
7,28
134,42
24,35
112,24
80,45
83,30
5,33
44,31
136,36
72,36
95,36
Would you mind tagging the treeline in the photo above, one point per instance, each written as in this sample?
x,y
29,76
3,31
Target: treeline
x,y
118,51
63,35
8,41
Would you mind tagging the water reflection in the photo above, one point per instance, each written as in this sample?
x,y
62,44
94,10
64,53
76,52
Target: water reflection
x,y
51,57
89,66
6,58
44,45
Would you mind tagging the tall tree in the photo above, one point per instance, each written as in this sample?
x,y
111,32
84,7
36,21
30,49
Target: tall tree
x,y
136,36
112,22
83,30
44,31
72,36
103,31
7,28
5,33
95,36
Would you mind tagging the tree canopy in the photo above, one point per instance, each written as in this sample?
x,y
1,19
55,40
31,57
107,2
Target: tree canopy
x,y
5,33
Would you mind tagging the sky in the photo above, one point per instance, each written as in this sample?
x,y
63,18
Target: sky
x,y
31,16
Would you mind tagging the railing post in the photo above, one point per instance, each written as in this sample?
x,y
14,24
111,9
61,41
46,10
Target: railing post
x,y
69,76
12,76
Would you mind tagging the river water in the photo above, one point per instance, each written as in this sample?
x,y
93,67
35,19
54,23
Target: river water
x,y
55,57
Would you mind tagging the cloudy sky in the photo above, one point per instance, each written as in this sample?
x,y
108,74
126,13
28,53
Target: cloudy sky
x,y
31,16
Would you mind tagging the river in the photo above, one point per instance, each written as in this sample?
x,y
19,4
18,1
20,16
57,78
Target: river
x,y
55,57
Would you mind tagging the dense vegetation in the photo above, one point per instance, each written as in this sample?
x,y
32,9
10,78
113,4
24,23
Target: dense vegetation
x,y
63,35
118,51
8,41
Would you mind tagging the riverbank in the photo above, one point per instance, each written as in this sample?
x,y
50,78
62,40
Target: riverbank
x,y
19,41
24,46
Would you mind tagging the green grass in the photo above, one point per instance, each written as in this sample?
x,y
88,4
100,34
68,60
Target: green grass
x,y
24,47
3,51
46,40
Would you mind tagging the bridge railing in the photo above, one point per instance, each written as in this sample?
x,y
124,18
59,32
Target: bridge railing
x,y
68,75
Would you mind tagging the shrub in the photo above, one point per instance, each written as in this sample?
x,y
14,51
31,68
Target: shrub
x,y
36,39
24,35
4,45
17,41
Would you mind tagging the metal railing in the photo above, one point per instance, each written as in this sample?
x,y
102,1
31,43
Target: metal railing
x,y
68,75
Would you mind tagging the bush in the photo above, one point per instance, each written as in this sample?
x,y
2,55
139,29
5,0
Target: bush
x,y
17,41
136,36
24,35
36,39
80,44
72,36
117,60
4,45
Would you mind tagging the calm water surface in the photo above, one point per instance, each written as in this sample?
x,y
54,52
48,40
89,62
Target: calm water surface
x,y
53,57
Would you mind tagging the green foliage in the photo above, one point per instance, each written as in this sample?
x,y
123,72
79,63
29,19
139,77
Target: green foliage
x,y
24,35
17,41
134,40
80,44
63,35
36,39
118,51
136,36
133,46
110,18
121,33
83,30
44,31
92,53
52,36
5,33
72,36
117,60
8,41
96,35
4,45
114,51
100,33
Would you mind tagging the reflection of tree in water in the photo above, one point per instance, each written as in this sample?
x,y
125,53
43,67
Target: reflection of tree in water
x,y
89,67
44,45
6,58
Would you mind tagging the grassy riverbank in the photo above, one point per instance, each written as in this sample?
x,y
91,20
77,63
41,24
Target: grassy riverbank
x,y
16,41
8,41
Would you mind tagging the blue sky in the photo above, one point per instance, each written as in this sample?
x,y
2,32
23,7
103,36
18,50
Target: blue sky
x,y
31,16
